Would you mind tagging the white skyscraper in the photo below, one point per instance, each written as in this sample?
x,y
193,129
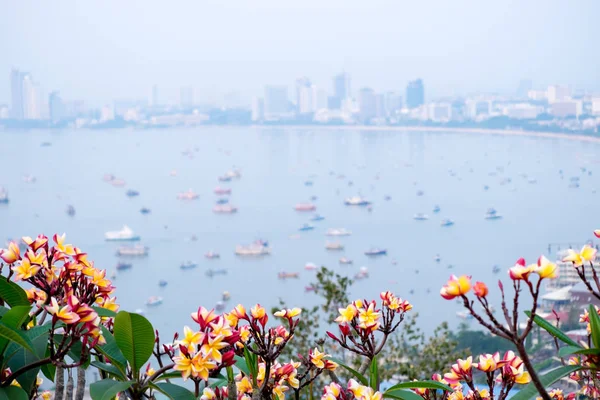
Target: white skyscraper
x,y
32,99
558,93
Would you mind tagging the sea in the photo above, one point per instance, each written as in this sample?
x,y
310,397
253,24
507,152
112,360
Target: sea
x,y
529,181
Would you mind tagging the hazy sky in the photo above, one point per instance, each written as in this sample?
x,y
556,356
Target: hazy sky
x,y
110,49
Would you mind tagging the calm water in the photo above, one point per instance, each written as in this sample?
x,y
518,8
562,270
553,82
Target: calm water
x,y
275,163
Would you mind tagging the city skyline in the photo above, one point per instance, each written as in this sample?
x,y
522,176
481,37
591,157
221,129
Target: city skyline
x,y
459,49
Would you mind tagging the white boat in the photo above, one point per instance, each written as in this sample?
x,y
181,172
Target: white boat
x,y
421,217
447,222
3,196
334,246
356,201
492,214
258,248
224,209
310,266
132,251
117,182
362,273
154,301
29,179
345,260
189,195
125,234
338,232
188,265
212,255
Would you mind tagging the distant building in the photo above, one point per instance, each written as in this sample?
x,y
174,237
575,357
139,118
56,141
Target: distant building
x,y
367,105
341,91
439,112
276,102
57,107
321,100
522,111
415,94
525,85
569,108
4,111
393,103
303,95
380,106
32,98
557,93
107,113
16,94
154,96
186,97
258,109
537,95
477,109
596,106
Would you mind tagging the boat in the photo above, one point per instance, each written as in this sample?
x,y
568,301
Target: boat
x,y
305,207
70,210
154,301
362,273
376,251
286,275
317,217
139,311
234,173
447,222
188,265
495,269
464,315
310,266
225,296
313,198
309,288
306,227
162,283
137,250
437,258
3,196
108,177
436,209
132,193
258,248
212,255
220,191
334,246
29,179
223,200
189,195
308,183
123,265
492,214
117,182
173,172
125,234
45,144
224,178
224,209
345,260
421,217
213,272
145,210
220,306
356,201
338,232
387,198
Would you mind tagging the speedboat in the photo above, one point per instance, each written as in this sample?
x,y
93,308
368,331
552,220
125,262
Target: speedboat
x,y
375,251
436,209
345,260
188,265
220,191
234,173
310,266
492,214
132,193
334,246
338,232
162,283
70,210
447,222
224,209
189,195
223,200
356,201
3,196
213,272
421,217
286,275
211,255
306,227
317,217
154,301
125,234
123,265
464,315
108,178
145,210
258,248
305,207
137,250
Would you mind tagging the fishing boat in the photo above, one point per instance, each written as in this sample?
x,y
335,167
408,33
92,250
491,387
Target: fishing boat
x,y
70,211
212,255
492,214
154,301
376,251
286,275
305,207
123,265
162,283
213,272
338,232
436,209
421,217
356,201
145,210
226,296
387,197
310,266
223,200
224,209
447,222
132,251
188,265
362,273
234,173
3,196
345,261
189,195
258,248
132,193
220,191
306,227
464,315
334,246
317,217
125,234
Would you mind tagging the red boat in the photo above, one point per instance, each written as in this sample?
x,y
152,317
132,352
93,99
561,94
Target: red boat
x,y
222,191
305,207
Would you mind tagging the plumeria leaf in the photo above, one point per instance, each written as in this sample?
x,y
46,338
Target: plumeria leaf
x,y
595,325
172,391
251,364
109,368
552,330
13,393
15,336
134,335
529,391
12,294
104,312
22,358
107,389
357,375
168,375
242,365
402,395
419,385
111,351
14,318
374,374
568,350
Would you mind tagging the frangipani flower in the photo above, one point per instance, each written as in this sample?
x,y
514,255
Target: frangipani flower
x,y
546,269
489,362
288,313
64,314
347,314
40,241
520,271
11,254
587,253
25,270
597,233
316,358
190,338
456,286
60,246
480,289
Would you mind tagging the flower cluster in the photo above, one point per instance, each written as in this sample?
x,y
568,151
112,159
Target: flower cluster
x,y
359,320
587,253
588,375
354,390
281,378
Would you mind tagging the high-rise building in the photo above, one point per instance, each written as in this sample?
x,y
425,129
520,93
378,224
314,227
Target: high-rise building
x,y
566,108
525,85
32,100
302,87
476,109
415,94
258,109
276,101
186,97
596,106
4,111
154,96
558,93
16,89
341,86
321,99
57,107
393,103
367,104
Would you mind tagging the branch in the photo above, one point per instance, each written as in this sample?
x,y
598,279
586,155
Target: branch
x,y
24,369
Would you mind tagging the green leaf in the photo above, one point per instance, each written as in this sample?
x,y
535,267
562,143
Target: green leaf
x,y
109,368
135,337
168,375
420,385
174,392
111,351
107,389
15,336
374,374
529,391
551,329
104,312
402,395
22,358
595,325
568,350
13,318
242,365
12,294
252,364
13,393
363,381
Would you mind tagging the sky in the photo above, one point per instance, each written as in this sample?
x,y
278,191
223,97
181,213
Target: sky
x,y
101,51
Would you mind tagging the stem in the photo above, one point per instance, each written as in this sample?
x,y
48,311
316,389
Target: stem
x,y
534,378
197,388
160,371
80,383
26,368
60,383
